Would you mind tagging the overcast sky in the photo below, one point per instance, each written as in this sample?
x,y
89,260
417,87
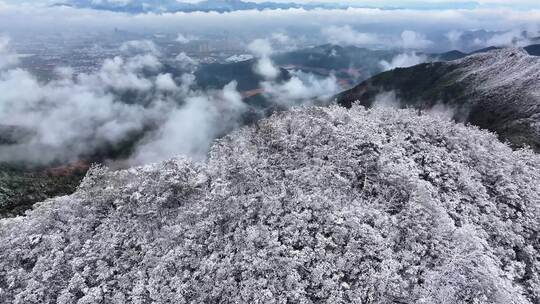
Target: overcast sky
x,y
442,4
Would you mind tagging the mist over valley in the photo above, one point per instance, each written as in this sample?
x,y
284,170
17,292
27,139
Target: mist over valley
x,y
229,151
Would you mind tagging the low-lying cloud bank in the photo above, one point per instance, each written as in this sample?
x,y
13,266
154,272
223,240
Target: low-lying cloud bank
x,y
73,116
301,88
358,26
130,107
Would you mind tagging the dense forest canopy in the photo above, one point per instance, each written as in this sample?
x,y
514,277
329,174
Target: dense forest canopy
x,y
313,205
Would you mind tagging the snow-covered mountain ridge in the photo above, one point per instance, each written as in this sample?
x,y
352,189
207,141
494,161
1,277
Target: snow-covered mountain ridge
x,y
314,205
497,90
512,67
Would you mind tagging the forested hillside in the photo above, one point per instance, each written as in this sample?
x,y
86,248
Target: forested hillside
x,y
315,205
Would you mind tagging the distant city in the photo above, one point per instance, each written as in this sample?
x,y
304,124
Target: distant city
x,y
84,53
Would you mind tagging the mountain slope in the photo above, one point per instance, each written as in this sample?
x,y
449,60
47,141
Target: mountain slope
x,y
497,90
20,188
533,49
316,205
217,75
335,57
448,56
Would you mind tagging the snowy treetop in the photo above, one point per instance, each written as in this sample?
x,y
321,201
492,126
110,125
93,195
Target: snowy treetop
x,y
315,205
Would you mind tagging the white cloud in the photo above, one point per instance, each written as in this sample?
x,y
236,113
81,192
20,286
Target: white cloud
x,y
414,40
261,47
165,82
8,57
67,118
347,35
75,116
403,60
509,38
183,39
123,74
140,46
266,68
190,130
386,100
185,62
281,38
454,37
302,88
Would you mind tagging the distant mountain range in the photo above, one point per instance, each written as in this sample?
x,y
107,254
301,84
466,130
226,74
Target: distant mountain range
x,y
350,64
496,90
146,6
533,50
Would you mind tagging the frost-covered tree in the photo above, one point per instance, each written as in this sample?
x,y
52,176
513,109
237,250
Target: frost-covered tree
x,y
315,205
